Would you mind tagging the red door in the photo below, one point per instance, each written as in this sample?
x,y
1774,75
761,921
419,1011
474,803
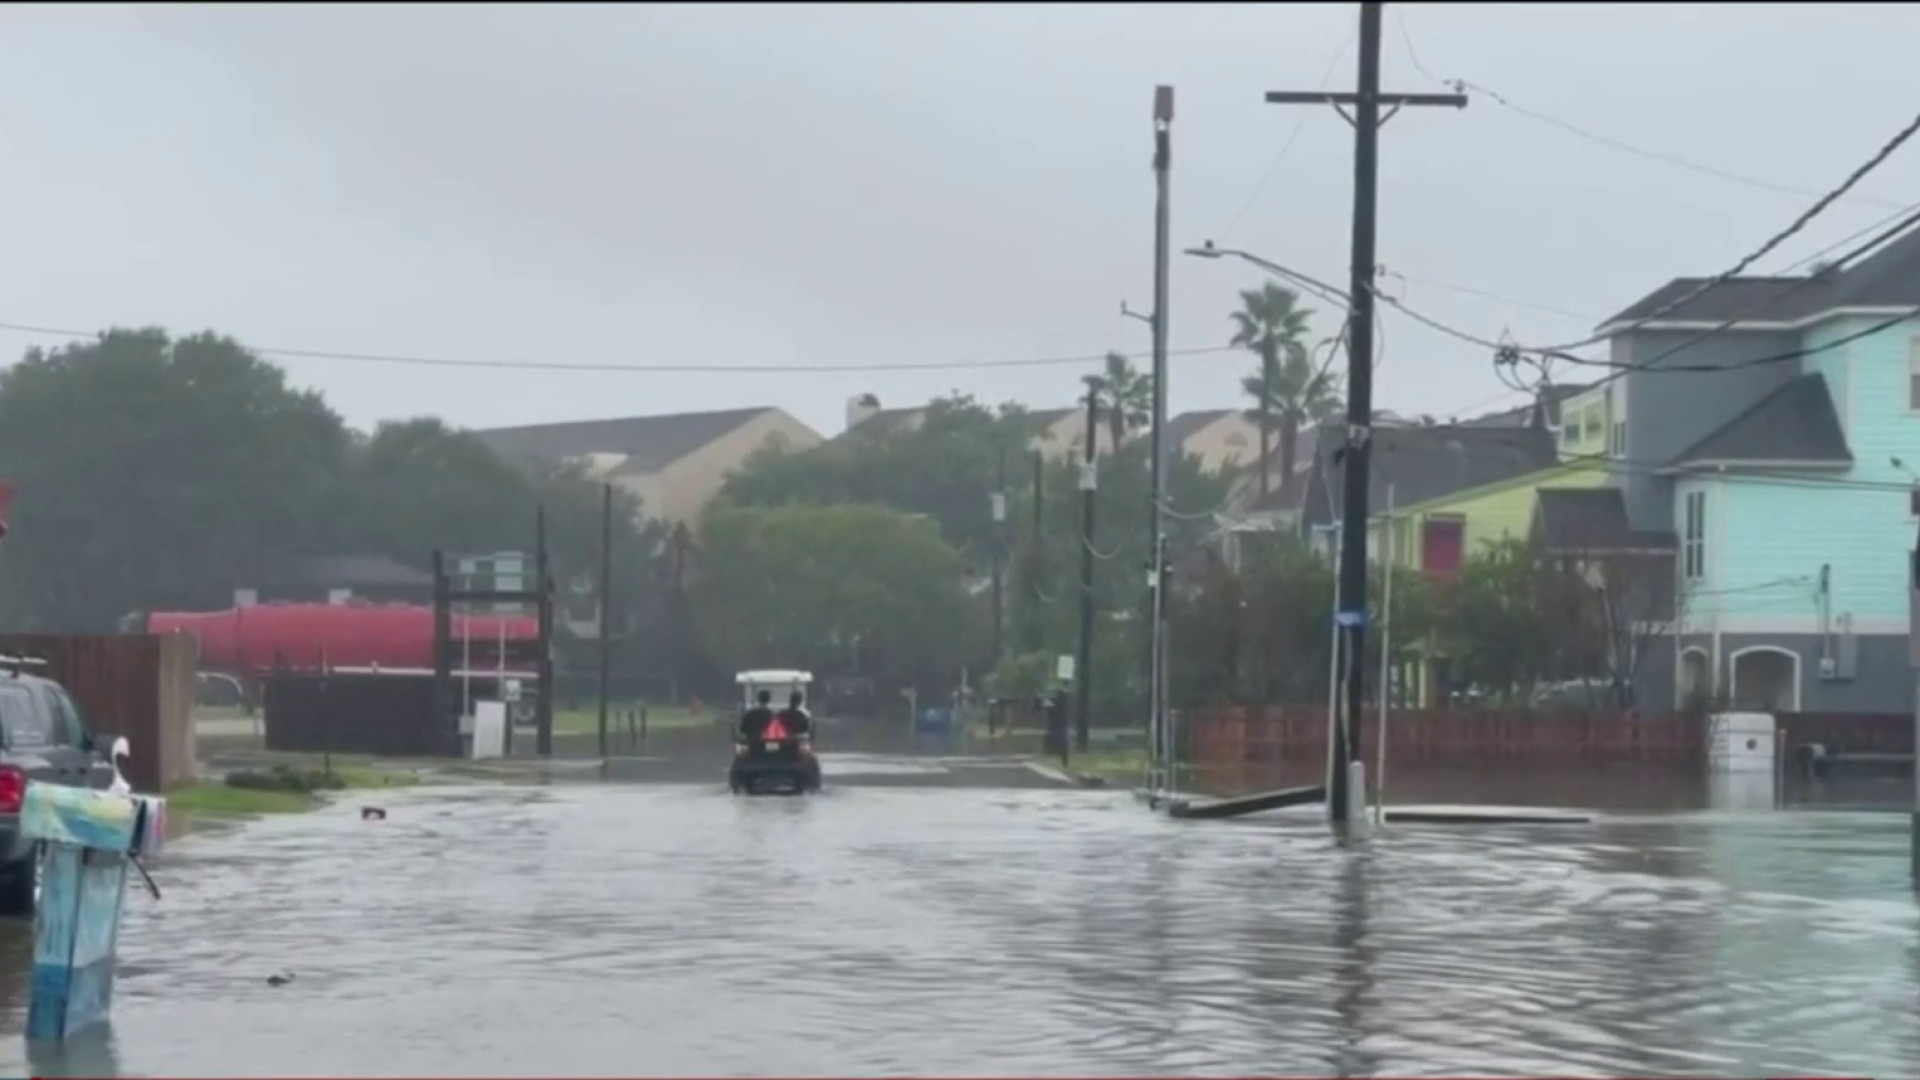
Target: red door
x,y
1441,544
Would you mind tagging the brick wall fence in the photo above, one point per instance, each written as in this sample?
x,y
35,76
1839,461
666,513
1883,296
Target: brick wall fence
x,y
1234,737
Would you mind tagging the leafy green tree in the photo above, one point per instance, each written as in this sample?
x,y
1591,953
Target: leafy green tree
x,y
1043,593
1263,635
946,466
155,474
149,469
1510,621
1288,388
1125,396
834,588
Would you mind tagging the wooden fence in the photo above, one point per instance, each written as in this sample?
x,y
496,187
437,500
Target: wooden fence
x,y
137,685
1232,737
358,714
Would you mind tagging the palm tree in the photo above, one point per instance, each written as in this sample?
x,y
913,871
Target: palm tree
x,y
1289,389
1125,394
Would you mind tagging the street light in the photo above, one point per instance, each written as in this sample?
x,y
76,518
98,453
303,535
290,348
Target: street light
x,y
1312,284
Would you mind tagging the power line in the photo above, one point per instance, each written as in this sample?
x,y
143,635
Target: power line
x,y
1654,363
1642,467
561,365
1273,167
1860,171
1758,361
1509,354
1607,140
1468,290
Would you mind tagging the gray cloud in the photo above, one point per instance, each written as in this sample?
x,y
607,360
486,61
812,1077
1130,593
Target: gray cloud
x,y
830,184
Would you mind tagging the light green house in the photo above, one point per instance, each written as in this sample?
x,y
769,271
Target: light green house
x,y
1437,535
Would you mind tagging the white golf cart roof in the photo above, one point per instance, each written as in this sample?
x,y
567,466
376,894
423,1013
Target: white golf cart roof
x,y
774,677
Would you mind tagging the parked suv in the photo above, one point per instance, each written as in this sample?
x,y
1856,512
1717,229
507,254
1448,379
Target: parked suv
x,y
42,741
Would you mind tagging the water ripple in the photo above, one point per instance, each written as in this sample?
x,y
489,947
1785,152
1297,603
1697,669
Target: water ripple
x,y
629,930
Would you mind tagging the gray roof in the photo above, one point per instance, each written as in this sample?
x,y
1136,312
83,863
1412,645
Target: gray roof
x,y
1795,424
341,572
650,443
1590,519
1427,462
1553,395
1760,298
1888,278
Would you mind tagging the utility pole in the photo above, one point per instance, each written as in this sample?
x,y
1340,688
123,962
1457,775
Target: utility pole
x,y
1089,481
1351,616
997,502
1039,497
1159,748
543,608
1266,425
606,607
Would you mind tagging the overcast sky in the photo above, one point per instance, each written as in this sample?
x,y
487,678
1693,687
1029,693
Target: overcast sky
x,y
807,185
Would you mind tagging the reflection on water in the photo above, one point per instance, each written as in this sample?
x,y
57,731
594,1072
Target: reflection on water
x,y
626,929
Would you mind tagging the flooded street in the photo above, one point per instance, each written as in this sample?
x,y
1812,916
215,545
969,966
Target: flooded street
x,y
622,928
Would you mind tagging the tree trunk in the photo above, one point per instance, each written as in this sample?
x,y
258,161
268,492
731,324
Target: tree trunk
x,y
1266,425
1289,443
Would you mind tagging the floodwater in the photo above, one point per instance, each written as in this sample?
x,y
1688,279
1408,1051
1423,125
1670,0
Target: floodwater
x,y
648,929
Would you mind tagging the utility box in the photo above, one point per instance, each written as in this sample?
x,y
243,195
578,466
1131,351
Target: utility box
x,y
1741,743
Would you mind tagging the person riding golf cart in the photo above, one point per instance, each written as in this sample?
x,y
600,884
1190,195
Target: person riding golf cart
x,y
773,743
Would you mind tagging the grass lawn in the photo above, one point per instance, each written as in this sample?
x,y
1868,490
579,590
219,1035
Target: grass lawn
x,y
220,799
1119,766
659,718
217,799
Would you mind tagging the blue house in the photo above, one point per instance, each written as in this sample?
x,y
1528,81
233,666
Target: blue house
x,y
1771,427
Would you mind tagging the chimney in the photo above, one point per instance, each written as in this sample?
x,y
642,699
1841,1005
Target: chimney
x,y
860,409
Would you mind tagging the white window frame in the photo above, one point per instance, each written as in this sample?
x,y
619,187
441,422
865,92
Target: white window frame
x,y
1913,374
1733,671
1680,675
1693,538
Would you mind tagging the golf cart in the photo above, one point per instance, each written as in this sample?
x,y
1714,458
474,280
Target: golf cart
x,y
780,761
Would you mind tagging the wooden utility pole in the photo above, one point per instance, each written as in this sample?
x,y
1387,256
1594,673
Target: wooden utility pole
x,y
1266,425
1159,746
1039,496
543,604
606,607
997,503
1083,669
1351,616
443,648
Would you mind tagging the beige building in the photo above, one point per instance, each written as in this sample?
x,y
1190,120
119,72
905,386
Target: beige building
x,y
1220,438
675,464
1057,433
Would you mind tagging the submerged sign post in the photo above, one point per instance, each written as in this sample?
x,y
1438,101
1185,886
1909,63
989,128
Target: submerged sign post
x,y
90,837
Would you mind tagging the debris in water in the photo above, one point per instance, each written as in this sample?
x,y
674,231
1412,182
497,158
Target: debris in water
x,y
372,813
280,980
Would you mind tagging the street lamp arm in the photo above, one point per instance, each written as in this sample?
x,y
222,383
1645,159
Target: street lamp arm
x,y
1271,267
